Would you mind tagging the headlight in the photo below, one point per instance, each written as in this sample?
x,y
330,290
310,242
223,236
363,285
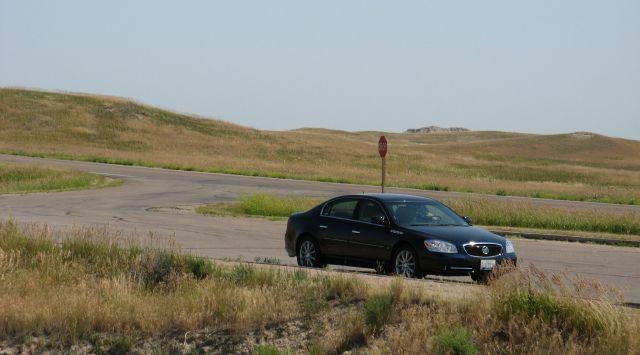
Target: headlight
x,y
439,246
510,247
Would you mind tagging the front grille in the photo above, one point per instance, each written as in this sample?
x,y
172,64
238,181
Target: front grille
x,y
476,249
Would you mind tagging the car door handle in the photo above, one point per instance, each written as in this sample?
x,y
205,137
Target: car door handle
x,y
355,232
322,226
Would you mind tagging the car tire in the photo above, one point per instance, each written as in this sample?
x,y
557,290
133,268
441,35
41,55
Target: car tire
x,y
405,263
308,253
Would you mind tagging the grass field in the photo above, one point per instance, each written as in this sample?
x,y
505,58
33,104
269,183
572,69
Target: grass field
x,y
18,179
576,166
483,212
88,294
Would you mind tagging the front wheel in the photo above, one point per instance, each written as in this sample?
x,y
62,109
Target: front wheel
x,y
308,253
405,263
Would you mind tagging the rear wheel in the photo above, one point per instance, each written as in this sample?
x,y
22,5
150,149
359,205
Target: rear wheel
x,y
308,253
405,262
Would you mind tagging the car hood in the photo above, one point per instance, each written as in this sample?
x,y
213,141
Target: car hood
x,y
458,234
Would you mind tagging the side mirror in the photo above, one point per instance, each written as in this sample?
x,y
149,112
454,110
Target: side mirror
x,y
381,220
467,219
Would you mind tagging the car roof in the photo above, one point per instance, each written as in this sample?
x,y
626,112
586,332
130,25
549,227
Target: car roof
x,y
392,197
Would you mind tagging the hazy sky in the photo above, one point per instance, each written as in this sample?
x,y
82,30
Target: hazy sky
x,y
528,66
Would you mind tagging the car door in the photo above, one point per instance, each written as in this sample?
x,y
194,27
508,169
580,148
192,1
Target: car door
x,y
371,241
336,220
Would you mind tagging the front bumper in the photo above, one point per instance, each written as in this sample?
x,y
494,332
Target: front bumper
x,y
458,264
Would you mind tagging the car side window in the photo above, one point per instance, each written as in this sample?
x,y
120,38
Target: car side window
x,y
369,209
341,208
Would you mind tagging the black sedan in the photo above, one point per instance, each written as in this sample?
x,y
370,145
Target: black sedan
x,y
402,234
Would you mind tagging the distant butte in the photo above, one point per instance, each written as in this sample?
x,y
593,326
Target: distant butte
x,y
436,129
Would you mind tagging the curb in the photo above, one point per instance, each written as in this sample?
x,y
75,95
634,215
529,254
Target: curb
x,y
569,238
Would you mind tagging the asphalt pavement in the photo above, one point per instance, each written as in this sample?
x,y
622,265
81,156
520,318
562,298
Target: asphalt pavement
x,y
150,200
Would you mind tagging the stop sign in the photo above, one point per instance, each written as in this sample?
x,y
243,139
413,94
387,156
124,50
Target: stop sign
x,y
382,146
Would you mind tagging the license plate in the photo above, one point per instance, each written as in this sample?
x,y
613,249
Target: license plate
x,y
487,264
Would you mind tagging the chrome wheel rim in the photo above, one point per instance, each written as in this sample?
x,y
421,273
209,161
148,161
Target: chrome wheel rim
x,y
307,253
405,264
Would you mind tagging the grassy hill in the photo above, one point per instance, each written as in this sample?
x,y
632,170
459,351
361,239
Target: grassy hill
x,y
565,166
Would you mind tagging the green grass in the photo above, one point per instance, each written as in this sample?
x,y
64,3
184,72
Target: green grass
x,y
379,311
91,291
521,214
18,178
261,205
458,341
269,350
482,211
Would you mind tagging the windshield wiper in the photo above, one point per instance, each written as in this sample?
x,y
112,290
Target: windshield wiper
x,y
435,224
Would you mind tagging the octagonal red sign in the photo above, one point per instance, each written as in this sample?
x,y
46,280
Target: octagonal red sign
x,y
382,146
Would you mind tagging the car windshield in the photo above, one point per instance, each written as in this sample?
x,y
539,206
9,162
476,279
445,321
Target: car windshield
x,y
423,213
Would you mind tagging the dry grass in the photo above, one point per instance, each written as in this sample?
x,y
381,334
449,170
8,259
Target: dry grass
x,y
78,289
526,311
19,178
564,166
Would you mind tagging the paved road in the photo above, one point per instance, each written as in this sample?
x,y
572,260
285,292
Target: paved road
x,y
145,203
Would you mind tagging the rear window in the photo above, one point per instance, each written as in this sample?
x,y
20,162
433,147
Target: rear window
x,y
340,208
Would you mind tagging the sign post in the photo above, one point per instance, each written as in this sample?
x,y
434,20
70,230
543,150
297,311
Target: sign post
x,y
382,150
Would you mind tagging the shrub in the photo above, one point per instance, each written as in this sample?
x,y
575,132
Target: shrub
x,y
200,267
313,303
268,350
379,311
456,341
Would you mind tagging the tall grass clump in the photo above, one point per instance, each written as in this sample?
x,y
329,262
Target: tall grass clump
x,y
521,214
379,310
562,307
269,350
458,341
342,287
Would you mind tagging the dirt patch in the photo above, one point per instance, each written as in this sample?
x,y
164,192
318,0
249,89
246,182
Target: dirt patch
x,y
292,335
173,209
